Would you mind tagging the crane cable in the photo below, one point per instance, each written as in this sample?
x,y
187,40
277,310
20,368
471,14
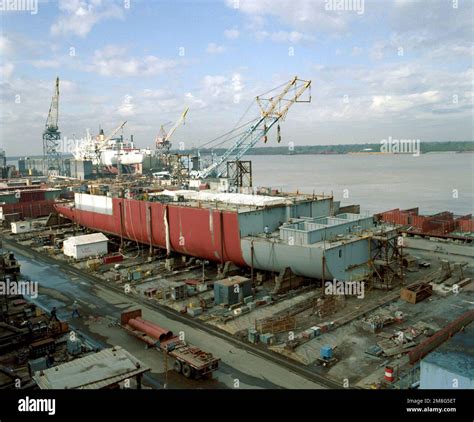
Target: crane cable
x,y
229,132
236,127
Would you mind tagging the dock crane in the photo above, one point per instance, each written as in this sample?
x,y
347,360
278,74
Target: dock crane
x,y
102,139
52,137
162,141
272,110
91,148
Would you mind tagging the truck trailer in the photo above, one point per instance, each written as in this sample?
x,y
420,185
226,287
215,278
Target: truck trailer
x,y
189,360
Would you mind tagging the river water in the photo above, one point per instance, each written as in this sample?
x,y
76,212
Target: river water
x,y
433,182
378,182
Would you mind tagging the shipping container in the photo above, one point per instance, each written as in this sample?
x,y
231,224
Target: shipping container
x,y
21,227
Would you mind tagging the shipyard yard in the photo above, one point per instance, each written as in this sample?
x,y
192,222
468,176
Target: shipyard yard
x,y
254,304
249,201
173,271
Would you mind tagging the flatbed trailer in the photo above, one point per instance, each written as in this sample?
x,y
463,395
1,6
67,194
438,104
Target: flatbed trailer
x,y
189,360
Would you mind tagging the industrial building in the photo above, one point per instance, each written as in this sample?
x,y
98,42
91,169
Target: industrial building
x,y
28,166
79,169
105,369
451,365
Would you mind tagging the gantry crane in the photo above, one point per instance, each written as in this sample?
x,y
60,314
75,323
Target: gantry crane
x,y
52,137
272,110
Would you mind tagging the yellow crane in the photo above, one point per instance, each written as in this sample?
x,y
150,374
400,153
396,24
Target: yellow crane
x,y
162,142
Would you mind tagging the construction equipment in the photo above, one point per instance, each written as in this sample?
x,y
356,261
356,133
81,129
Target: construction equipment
x,y
101,142
111,136
272,110
189,360
326,356
162,141
52,137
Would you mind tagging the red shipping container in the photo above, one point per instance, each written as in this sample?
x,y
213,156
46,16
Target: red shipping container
x,y
466,225
110,259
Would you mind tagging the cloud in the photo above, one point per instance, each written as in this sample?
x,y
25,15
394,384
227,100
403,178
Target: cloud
x,y
46,64
304,15
213,48
78,17
396,93
377,52
6,70
112,60
384,103
215,85
18,46
232,34
217,92
414,92
284,36
193,101
156,93
126,107
5,46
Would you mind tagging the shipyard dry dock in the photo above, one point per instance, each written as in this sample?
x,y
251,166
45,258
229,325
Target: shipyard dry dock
x,y
311,235
178,255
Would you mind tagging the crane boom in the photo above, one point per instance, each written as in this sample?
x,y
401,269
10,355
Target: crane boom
x,y
52,119
52,160
271,111
178,122
114,132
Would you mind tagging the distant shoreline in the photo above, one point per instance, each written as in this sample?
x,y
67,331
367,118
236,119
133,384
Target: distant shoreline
x,y
342,149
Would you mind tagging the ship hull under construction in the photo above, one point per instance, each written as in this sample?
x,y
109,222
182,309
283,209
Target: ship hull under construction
x,y
206,233
242,234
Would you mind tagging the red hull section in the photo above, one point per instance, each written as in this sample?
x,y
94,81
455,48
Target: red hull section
x,y
33,209
439,224
205,233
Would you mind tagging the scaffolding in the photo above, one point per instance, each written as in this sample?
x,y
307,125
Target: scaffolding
x,y
239,174
386,260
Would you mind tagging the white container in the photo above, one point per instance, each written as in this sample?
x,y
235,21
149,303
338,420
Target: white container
x,y
89,245
21,227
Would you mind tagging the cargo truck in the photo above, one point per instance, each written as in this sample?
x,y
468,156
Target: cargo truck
x,y
189,360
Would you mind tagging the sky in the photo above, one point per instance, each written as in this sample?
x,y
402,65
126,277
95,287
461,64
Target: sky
x,y
379,69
